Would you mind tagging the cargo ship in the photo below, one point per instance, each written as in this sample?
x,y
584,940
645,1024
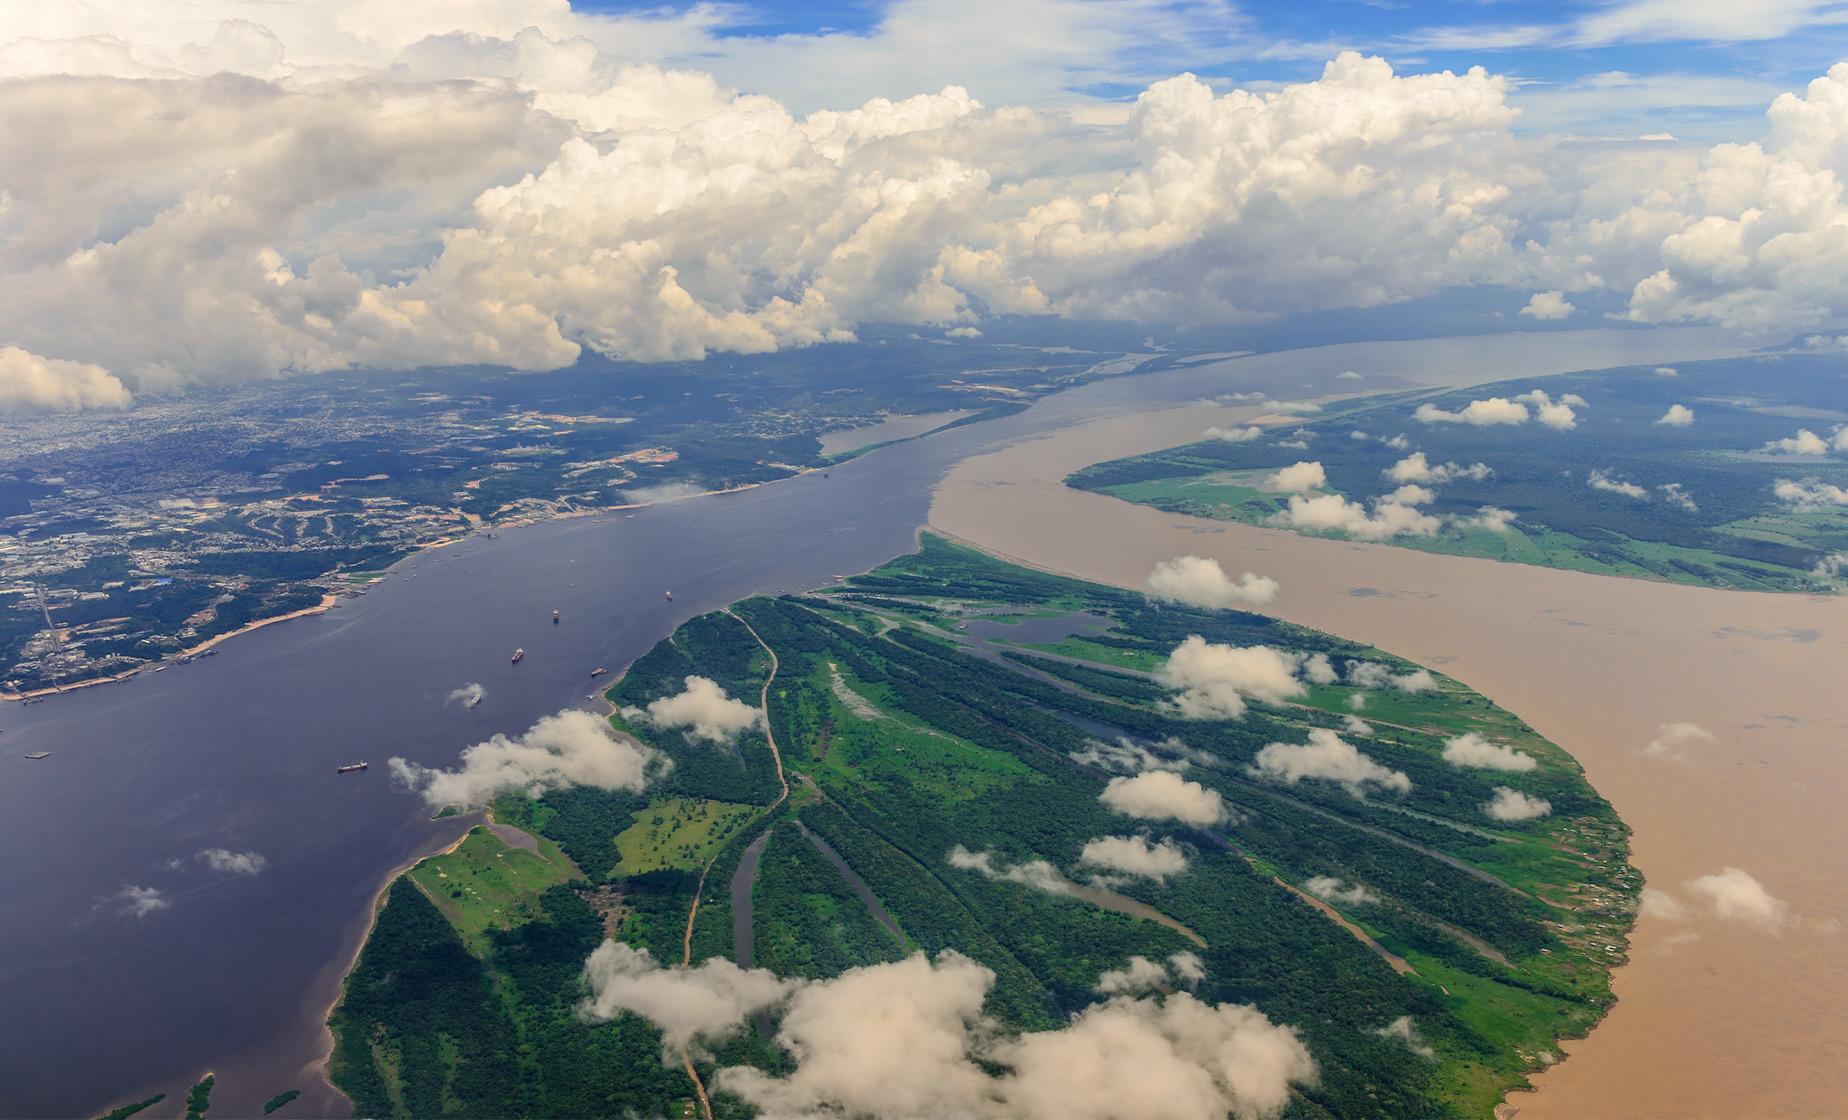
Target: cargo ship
x,y
351,769
597,672
517,654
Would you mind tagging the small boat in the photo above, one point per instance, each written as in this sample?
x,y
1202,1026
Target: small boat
x,y
597,672
475,703
555,618
670,596
517,655
36,755
353,768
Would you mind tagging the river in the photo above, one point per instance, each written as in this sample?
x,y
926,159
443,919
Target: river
x,y
1715,1017
235,972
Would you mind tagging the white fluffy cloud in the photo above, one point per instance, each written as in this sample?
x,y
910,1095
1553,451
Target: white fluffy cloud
x,y
1555,414
570,748
1677,416
1332,513
1810,492
935,1054
1481,413
1672,737
1035,873
1234,435
1417,467
703,709
227,862
1600,479
1297,477
138,902
1330,889
1160,795
30,383
1805,442
705,1003
1213,681
1513,805
1160,860
1737,896
1330,758
1201,582
1548,306
1472,751
1373,674
1142,975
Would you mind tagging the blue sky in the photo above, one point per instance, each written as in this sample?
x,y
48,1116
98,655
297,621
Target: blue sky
x,y
1701,69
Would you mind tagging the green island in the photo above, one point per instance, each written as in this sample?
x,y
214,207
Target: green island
x,y
1430,955
1725,492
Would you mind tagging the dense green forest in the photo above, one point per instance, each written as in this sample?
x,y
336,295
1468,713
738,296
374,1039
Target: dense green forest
x,y
948,700
1695,474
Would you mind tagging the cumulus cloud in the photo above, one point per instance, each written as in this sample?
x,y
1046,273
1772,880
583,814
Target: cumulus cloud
x,y
1513,805
1333,513
1417,467
1671,738
1677,416
1805,442
1213,681
1332,890
468,695
1810,492
1373,674
569,748
1481,414
31,383
1548,306
1736,896
706,1003
1160,795
936,1054
1330,758
1318,669
1349,375
1493,518
1675,494
1135,855
1556,414
1297,477
703,709
1035,873
1234,435
1354,725
1201,582
138,902
1472,751
227,862
1142,975
1667,371
1130,757
1832,566
1404,1030
1600,479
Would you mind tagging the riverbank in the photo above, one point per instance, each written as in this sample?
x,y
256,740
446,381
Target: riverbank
x,y
1598,665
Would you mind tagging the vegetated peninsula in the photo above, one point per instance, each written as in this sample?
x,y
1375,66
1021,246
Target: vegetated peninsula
x,y
1117,807
1730,473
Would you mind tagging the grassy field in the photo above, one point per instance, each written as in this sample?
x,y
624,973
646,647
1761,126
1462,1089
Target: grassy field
x,y
486,884
680,832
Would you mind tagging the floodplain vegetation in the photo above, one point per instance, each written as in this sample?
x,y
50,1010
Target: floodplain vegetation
x,y
904,736
1694,474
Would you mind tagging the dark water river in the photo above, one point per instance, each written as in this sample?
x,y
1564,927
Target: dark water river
x,y
234,972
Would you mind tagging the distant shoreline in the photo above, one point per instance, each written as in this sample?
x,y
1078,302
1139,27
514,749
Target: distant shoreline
x,y
329,599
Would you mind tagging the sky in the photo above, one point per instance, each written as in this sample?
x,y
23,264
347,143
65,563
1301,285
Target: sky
x,y
201,191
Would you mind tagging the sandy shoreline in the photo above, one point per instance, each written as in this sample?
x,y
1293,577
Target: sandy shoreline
x,y
1596,664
